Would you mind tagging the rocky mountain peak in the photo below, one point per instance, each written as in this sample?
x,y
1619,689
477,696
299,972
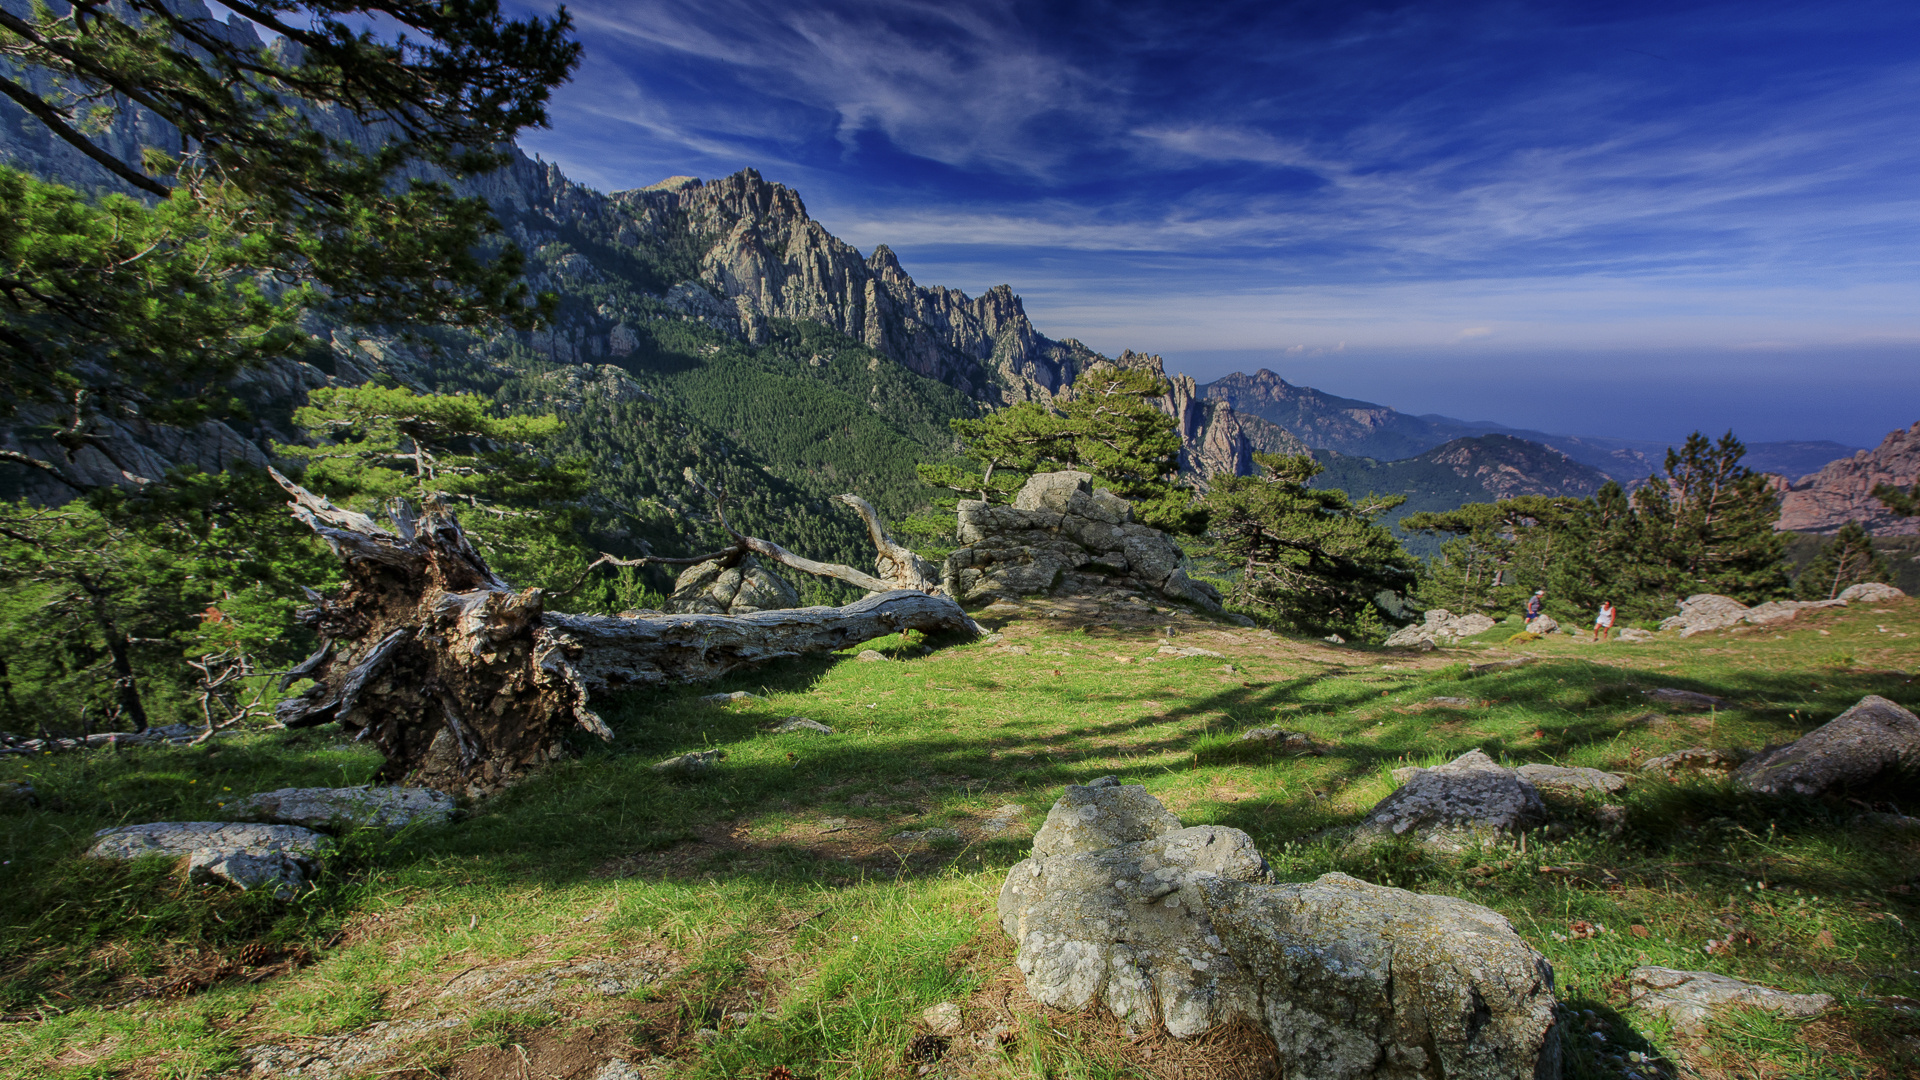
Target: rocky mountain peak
x,y
1843,491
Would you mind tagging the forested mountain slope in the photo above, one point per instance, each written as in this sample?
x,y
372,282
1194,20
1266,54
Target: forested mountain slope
x,y
1484,468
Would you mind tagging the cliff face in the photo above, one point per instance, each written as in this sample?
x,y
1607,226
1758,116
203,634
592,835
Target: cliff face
x,y
1843,491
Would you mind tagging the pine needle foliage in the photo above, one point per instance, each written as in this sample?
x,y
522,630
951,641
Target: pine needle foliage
x,y
1847,559
1313,558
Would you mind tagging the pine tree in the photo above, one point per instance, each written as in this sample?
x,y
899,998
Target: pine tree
x,y
1707,526
1847,559
374,443
1312,557
1109,427
253,212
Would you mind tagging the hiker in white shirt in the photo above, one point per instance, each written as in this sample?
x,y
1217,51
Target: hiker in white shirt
x,y
1603,622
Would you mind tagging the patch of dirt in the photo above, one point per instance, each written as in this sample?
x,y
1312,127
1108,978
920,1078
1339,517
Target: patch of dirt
x,y
542,1055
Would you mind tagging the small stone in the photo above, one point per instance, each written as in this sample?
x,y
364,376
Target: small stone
x,y
801,724
1697,761
1290,742
943,1019
698,763
871,656
927,836
735,698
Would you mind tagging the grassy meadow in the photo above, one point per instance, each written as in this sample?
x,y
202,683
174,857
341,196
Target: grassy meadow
x,y
800,906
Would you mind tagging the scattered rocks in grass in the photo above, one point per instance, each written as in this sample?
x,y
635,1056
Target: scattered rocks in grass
x,y
1286,742
1179,651
1651,720
1451,806
1686,700
1334,639
1872,592
871,656
1688,998
943,1019
1017,650
738,697
1873,742
279,858
620,1070
1455,702
1542,625
14,795
1551,780
1632,635
389,808
1695,761
794,724
1183,927
1499,665
698,763
1442,627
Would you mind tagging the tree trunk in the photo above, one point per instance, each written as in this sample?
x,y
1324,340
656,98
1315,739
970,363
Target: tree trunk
x,y
464,683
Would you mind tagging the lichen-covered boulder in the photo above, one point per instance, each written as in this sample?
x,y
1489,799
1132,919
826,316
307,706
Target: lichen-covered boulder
x,y
1357,980
389,808
711,588
1121,906
1449,807
278,857
1061,533
1702,612
1688,998
1875,741
1872,592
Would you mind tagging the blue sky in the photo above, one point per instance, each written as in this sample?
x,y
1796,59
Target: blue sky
x,y
1608,218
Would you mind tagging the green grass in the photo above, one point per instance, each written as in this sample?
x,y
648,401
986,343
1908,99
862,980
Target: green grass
x,y
782,892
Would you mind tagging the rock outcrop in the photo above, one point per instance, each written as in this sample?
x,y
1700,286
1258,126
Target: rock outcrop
x,y
1874,742
1688,998
1120,905
1702,612
1062,534
712,588
1843,491
389,808
1449,807
1441,627
276,857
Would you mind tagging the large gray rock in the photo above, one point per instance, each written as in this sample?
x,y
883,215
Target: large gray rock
x,y
1449,807
1441,627
1121,906
1874,741
1872,592
1357,980
1060,533
389,808
1688,998
709,588
277,857
1702,612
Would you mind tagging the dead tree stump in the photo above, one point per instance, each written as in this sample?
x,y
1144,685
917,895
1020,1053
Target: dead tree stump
x,y
464,683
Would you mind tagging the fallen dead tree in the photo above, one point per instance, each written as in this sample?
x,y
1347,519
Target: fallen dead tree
x,y
463,683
